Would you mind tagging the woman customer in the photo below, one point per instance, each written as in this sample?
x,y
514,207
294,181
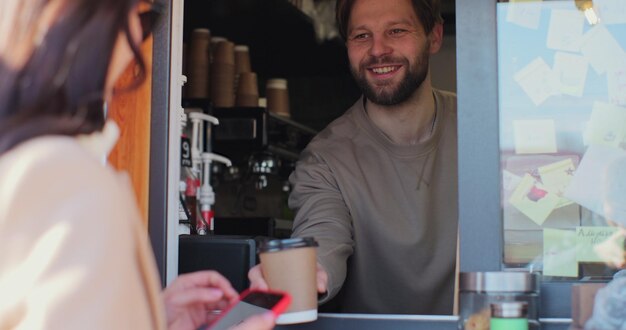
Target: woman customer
x,y
73,253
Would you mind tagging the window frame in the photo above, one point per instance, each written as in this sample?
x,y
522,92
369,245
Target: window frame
x,y
480,214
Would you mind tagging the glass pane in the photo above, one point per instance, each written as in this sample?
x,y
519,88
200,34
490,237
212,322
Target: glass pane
x,y
562,105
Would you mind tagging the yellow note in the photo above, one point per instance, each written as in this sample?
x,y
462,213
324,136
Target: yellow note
x,y
556,177
598,244
559,253
534,200
534,136
607,124
525,13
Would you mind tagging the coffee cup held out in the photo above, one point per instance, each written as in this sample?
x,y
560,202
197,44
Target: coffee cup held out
x,y
291,265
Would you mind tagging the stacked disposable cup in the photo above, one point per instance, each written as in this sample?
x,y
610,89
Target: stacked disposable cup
x,y
242,59
277,96
223,75
247,90
214,41
198,63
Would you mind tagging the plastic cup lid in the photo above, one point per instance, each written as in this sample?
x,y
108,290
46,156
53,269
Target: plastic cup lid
x,y
284,244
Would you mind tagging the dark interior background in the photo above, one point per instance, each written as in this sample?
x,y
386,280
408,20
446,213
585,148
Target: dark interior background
x,y
283,44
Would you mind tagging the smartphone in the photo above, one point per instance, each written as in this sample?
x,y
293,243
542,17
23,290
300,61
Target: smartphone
x,y
251,302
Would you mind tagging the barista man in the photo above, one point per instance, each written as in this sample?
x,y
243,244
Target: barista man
x,y
378,187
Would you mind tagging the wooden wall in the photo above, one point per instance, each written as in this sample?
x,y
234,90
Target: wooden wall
x,y
131,111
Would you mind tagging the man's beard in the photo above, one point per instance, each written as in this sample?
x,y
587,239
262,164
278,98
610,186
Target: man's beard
x,y
386,94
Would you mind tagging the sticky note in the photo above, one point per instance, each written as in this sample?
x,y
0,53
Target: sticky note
x,y
571,71
611,11
587,186
607,124
598,244
565,31
534,136
533,199
556,177
614,196
616,83
611,251
525,13
538,81
559,253
601,49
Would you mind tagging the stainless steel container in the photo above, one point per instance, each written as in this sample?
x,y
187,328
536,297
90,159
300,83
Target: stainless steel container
x,y
478,290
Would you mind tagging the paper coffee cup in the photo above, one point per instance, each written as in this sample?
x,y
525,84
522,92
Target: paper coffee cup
x,y
224,53
242,59
277,97
198,64
291,265
247,90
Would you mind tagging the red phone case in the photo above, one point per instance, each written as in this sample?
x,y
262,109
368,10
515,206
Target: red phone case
x,y
278,308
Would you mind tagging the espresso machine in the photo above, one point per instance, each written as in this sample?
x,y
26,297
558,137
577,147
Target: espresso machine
x,y
251,195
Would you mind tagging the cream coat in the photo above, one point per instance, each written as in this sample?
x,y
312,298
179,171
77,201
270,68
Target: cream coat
x,y
74,254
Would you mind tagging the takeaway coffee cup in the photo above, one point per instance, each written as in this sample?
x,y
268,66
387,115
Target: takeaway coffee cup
x,y
277,97
247,90
290,265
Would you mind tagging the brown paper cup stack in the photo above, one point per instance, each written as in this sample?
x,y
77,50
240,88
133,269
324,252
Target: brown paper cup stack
x,y
223,75
247,90
242,59
277,97
214,41
198,64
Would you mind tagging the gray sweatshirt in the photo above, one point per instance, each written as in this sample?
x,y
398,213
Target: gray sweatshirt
x,y
385,215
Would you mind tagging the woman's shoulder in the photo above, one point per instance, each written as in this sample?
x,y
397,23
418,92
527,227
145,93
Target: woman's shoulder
x,y
58,163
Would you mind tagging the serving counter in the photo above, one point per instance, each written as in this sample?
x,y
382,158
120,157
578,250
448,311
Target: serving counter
x,y
397,322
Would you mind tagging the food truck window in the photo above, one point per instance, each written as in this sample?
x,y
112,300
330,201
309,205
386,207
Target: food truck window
x,y
556,116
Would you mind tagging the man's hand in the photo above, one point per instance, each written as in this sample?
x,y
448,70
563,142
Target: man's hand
x,y
257,281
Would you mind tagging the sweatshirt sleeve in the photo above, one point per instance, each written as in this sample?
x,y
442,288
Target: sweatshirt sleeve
x,y
321,212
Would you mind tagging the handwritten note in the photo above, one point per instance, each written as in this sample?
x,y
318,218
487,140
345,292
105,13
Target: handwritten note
x,y
525,13
559,253
615,191
556,177
611,11
533,199
607,124
538,81
566,30
595,244
601,49
571,71
616,81
534,136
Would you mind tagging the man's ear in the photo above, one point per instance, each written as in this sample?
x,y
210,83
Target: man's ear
x,y
436,38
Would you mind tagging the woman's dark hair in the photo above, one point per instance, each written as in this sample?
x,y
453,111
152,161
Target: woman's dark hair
x,y
428,12
59,89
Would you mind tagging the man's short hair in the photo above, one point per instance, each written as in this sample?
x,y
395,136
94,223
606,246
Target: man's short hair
x,y
428,12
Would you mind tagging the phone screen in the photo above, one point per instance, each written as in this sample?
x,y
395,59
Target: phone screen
x,y
251,304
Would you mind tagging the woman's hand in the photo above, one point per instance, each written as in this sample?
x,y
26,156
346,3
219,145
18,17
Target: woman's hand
x,y
191,297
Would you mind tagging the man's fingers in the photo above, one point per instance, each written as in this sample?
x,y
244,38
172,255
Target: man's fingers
x,y
322,279
257,281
